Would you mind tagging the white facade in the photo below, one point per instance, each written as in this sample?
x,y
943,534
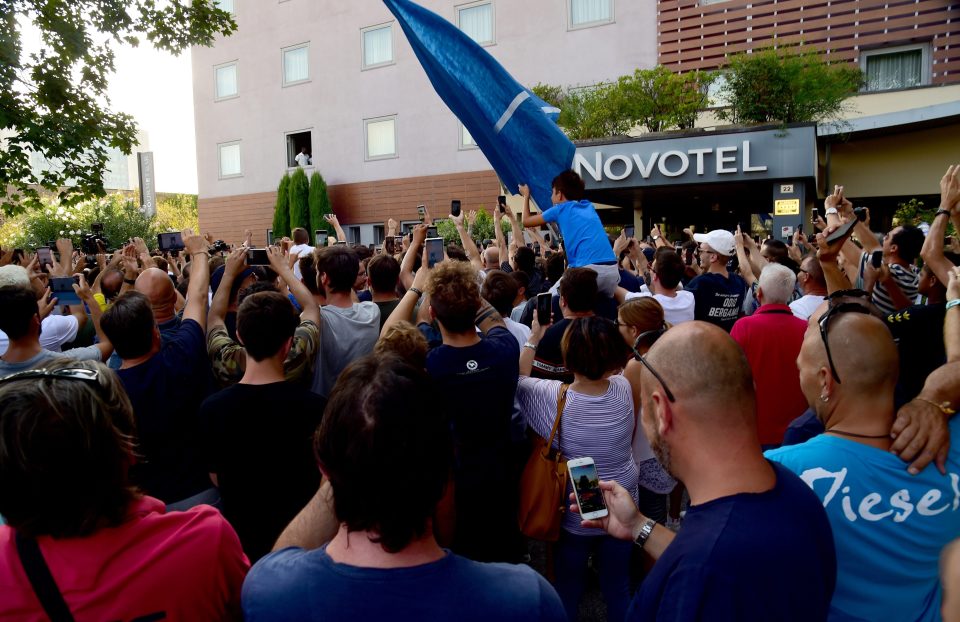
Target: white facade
x,y
344,72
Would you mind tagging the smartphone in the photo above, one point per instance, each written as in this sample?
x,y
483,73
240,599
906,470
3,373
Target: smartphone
x,y
170,241
502,203
97,227
434,251
861,213
536,248
876,259
814,215
257,257
320,238
843,231
432,232
45,256
340,243
630,231
269,237
586,487
544,308
455,207
61,288
800,228
422,212
398,241
520,219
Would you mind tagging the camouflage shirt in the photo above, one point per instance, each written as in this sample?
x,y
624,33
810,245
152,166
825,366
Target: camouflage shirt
x,y
228,358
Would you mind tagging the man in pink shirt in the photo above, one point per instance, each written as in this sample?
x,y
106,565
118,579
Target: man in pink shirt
x,y
771,339
80,542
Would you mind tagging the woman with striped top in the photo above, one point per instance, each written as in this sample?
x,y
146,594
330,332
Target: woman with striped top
x,y
597,422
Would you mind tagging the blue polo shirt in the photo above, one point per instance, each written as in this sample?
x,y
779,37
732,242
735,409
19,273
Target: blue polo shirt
x,y
584,239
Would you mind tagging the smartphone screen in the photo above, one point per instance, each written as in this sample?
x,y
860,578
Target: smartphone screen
x,y
586,486
629,231
422,212
544,308
170,241
320,238
269,237
434,251
45,256
432,232
61,288
257,257
455,207
502,203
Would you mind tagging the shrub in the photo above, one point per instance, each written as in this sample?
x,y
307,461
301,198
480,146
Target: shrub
x,y
319,201
299,198
281,212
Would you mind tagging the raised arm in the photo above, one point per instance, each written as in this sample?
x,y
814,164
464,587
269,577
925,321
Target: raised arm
x,y
951,324
304,298
827,255
236,262
528,219
332,219
410,258
488,318
408,303
932,251
196,307
527,353
501,239
467,242
86,295
746,268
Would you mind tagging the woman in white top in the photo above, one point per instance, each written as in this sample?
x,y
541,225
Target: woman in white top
x,y
597,422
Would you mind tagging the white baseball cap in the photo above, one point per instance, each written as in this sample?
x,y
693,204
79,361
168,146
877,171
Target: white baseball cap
x,y
719,240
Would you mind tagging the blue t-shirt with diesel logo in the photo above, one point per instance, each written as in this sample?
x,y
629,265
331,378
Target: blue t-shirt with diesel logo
x,y
889,526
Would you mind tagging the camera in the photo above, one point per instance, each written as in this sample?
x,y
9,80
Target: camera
x,y
219,246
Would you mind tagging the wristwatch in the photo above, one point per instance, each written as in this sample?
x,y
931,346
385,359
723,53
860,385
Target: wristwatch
x,y
941,212
831,210
645,532
532,346
655,238
416,291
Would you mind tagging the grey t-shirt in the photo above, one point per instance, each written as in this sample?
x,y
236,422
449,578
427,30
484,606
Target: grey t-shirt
x,y
89,353
346,334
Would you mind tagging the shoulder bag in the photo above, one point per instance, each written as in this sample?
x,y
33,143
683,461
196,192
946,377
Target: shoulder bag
x,y
543,486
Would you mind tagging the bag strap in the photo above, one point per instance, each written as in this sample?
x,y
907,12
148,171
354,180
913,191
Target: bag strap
x,y
41,580
561,403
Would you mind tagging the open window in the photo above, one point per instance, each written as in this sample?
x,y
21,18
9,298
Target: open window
x,y
299,149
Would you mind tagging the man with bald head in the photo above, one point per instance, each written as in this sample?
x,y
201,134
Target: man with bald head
x,y
755,543
812,284
491,259
888,524
164,298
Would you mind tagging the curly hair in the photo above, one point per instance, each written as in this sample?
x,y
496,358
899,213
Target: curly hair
x,y
454,295
404,340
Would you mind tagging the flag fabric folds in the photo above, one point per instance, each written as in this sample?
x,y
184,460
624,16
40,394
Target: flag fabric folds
x,y
515,129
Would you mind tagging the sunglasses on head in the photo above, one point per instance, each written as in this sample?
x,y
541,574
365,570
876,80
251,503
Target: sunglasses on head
x,y
837,303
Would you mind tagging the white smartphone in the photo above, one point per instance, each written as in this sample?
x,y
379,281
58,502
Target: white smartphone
x,y
586,486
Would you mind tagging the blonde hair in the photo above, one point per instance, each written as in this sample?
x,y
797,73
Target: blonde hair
x,y
405,340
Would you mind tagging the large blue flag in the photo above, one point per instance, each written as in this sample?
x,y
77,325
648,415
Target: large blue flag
x,y
515,129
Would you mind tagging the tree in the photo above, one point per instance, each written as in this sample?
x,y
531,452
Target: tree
x,y
319,201
787,85
281,212
299,198
53,103
482,228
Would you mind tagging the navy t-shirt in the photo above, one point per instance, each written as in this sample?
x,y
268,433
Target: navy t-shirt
x,y
764,556
718,298
166,392
294,584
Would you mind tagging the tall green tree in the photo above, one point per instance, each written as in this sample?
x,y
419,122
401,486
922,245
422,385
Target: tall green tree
x,y
53,101
787,84
281,212
319,201
299,198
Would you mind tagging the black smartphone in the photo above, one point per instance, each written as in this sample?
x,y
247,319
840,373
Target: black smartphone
x,y
398,241
45,256
814,215
876,259
269,237
432,232
455,207
536,248
843,231
502,203
630,231
422,212
61,288
861,213
170,241
800,228
544,308
97,227
257,257
320,238
434,251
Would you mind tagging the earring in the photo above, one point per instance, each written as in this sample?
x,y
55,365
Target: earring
x,y
824,398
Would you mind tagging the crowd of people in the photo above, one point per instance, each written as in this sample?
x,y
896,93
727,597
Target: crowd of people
x,y
338,433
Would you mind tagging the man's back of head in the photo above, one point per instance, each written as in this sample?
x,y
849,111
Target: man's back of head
x,y
500,290
18,307
130,326
525,260
111,283
491,258
383,271
14,275
454,295
669,269
570,185
578,289
156,285
776,284
380,416
300,236
266,322
339,265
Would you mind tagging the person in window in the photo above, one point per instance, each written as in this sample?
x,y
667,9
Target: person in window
x,y
303,158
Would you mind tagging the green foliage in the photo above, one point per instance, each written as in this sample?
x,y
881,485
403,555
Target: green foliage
x,y
588,112
299,200
53,103
319,202
118,213
281,212
914,212
787,85
482,228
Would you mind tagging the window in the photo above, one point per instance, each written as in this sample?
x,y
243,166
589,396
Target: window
x,y
381,137
295,65
466,140
476,20
225,77
717,96
590,12
378,234
229,159
296,143
377,44
353,235
896,68
225,5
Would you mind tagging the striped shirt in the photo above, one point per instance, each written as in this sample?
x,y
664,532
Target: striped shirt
x,y
594,426
905,277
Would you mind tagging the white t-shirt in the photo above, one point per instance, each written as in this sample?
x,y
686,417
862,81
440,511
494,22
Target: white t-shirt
x,y
302,159
299,250
520,331
676,309
55,331
804,306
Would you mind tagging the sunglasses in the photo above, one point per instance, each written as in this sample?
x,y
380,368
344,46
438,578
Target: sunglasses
x,y
82,374
835,306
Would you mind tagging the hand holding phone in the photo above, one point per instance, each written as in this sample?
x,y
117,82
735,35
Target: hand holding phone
x,y
61,287
586,487
502,203
629,231
544,308
257,257
455,208
421,212
434,251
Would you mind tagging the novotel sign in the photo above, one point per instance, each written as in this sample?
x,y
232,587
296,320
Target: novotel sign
x,y
704,158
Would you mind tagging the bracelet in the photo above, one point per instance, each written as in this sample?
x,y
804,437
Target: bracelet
x,y
532,346
953,303
416,291
200,253
645,532
831,210
944,406
941,212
